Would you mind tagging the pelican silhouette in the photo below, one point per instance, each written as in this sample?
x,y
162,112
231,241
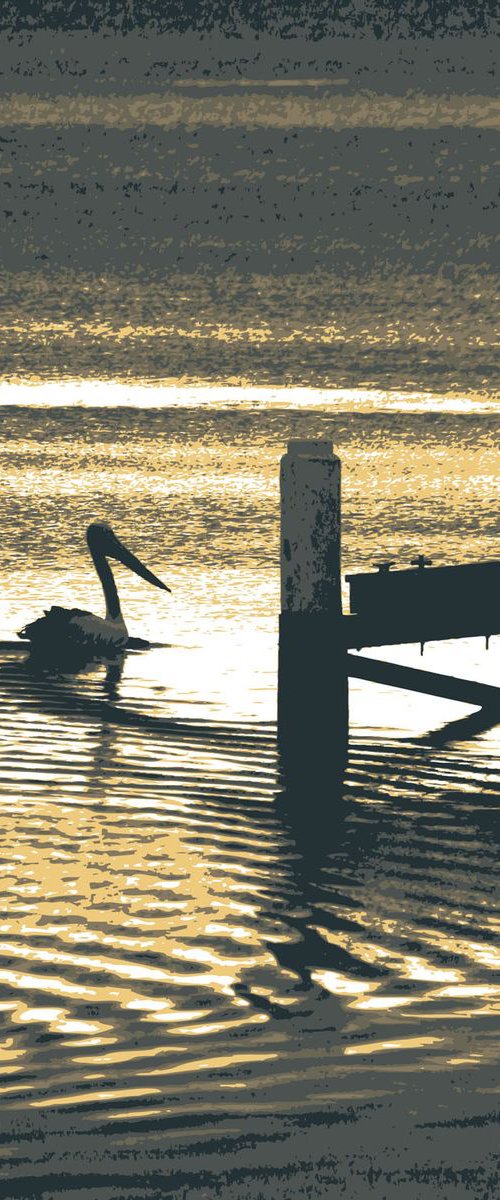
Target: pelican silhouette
x,y
73,630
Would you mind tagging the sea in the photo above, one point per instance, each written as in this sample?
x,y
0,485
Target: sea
x,y
218,979
213,982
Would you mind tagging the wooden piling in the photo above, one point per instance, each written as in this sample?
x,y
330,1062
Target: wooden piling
x,y
312,674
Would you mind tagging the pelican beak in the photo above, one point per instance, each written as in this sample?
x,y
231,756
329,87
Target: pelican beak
x,y
134,564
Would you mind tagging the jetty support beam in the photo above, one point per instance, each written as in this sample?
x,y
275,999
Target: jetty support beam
x,y
430,683
312,675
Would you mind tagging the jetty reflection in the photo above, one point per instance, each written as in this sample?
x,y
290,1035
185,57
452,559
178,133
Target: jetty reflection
x,y
182,919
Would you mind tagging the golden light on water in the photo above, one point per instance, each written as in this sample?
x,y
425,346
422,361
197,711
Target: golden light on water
x,y
135,1114
172,393
281,332
165,917
214,1063
91,1097
255,110
223,968
368,1048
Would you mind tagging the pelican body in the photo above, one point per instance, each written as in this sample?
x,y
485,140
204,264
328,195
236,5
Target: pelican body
x,y
63,630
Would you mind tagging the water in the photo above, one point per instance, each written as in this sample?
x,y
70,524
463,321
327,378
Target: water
x,y
189,961
244,234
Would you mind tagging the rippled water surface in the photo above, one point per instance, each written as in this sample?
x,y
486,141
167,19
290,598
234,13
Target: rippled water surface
x,y
186,944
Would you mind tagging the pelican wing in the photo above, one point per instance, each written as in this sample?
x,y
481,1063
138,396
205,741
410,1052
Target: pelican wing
x,y
57,623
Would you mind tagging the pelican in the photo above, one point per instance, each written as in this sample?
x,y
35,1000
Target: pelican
x,y
75,630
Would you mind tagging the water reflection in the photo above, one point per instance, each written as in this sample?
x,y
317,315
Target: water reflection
x,y
464,729
177,922
105,671
187,930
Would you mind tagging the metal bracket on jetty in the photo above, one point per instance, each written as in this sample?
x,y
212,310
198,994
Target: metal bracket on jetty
x,y
388,607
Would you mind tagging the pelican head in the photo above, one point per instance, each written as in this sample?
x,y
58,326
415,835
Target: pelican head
x,y
103,543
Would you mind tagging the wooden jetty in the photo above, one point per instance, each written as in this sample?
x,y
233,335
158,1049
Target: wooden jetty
x,y
388,607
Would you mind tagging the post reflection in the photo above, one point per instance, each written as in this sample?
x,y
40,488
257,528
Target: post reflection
x,y
184,909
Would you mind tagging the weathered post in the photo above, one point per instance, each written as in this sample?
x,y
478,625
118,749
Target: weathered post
x,y
312,674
